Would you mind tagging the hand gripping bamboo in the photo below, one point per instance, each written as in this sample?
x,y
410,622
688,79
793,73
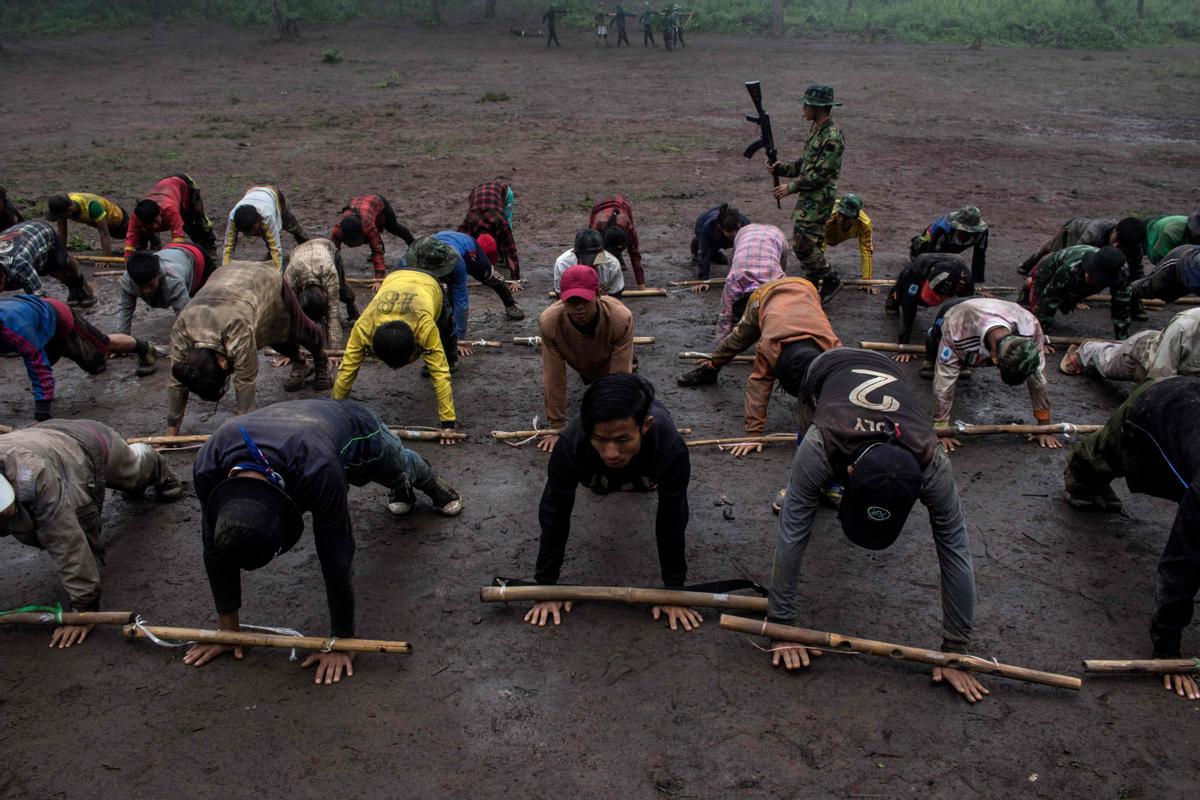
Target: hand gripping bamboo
x,y
68,618
629,595
1147,666
850,644
248,639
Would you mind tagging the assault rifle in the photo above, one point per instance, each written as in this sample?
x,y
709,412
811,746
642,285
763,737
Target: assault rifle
x,y
766,138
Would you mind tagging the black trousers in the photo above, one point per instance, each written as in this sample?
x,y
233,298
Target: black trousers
x,y
551,36
447,330
622,37
393,225
648,36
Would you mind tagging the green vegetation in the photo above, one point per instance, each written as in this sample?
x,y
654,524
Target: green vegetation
x,y
493,97
1106,24
331,55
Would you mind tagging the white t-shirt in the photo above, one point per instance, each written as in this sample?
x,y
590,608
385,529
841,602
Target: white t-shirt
x,y
607,267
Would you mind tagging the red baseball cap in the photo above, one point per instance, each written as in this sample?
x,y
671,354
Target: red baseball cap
x,y
487,243
579,281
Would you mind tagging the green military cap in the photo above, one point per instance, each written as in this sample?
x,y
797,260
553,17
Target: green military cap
x,y
1019,357
968,219
427,254
818,95
849,205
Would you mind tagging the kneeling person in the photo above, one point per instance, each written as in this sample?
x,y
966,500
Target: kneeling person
x,y
52,481
259,473
623,440
870,434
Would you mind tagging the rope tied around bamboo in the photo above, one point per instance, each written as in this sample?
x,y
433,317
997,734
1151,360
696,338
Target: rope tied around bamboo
x,y
165,636
627,595
54,615
536,341
837,642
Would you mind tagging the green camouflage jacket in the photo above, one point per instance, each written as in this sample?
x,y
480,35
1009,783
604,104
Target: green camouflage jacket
x,y
816,174
1060,285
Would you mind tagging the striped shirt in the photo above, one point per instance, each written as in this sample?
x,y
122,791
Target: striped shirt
x,y
759,255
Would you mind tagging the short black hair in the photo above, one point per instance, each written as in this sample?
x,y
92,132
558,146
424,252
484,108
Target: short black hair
x,y
616,396
146,211
314,304
394,344
58,206
1131,231
615,239
142,267
201,373
246,217
352,232
728,217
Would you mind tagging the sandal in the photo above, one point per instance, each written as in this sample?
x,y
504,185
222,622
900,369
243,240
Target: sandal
x,y
1070,364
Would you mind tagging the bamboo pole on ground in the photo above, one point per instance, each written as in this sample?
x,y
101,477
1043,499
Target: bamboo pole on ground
x,y
100,259
249,639
851,644
709,282
536,341
629,293
629,595
510,436
690,355
1148,302
1147,666
892,347
199,438
270,352
68,618
964,430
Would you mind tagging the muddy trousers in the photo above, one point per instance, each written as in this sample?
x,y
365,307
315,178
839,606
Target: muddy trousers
x,y
1118,361
808,243
1122,448
382,458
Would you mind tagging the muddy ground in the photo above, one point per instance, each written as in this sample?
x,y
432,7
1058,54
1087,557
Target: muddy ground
x,y
611,704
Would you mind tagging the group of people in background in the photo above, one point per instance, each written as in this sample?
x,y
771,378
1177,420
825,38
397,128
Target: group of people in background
x,y
669,21
865,445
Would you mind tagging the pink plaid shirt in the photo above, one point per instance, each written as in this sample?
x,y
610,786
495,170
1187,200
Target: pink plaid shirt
x,y
759,255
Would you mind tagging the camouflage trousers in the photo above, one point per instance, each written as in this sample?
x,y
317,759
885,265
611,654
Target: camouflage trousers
x,y
808,240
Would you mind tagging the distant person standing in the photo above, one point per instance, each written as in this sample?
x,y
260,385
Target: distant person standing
x,y
647,21
678,18
619,18
814,180
601,25
549,19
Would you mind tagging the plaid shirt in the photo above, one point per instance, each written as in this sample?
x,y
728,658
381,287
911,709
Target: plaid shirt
x,y
25,252
490,220
488,195
759,255
620,212
369,210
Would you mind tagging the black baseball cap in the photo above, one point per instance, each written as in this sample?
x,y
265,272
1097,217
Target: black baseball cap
x,y
588,245
879,495
248,522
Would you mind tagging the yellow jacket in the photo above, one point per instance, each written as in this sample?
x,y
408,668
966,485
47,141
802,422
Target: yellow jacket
x,y
414,298
860,229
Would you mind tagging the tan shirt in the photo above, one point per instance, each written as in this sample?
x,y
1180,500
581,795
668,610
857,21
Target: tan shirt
x,y
608,349
312,264
238,311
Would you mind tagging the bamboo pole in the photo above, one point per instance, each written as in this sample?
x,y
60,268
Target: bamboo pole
x,y
850,644
536,341
199,438
709,282
965,430
690,355
629,293
629,595
892,347
771,438
68,618
337,353
509,436
100,259
248,639
1148,666
1148,303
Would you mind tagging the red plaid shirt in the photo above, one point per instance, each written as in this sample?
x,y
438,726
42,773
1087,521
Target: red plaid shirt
x,y
491,220
369,210
488,195
618,210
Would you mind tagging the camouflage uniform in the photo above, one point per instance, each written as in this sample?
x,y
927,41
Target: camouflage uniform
x,y
1058,285
815,182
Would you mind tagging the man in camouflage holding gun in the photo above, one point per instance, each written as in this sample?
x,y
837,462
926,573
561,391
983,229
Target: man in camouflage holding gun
x,y
815,177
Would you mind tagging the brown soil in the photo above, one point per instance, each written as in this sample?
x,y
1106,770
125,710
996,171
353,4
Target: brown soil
x,y
610,704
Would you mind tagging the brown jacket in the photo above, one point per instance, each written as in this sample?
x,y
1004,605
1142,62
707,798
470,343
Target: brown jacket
x,y
312,264
608,349
239,310
779,312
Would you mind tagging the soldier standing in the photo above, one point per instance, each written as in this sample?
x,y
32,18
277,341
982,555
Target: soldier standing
x,y
815,177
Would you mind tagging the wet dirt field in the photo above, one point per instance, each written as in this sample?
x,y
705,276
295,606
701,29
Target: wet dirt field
x,y
611,704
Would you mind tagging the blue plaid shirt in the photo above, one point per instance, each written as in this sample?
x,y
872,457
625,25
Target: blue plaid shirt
x,y
25,253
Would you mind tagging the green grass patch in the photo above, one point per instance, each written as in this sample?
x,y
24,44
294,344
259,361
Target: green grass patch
x,y
331,55
493,97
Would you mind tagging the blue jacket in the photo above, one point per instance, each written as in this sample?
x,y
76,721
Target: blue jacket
x,y
27,324
456,281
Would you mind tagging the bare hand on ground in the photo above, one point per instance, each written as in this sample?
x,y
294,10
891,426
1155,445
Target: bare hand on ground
x,y
280,361
67,635
704,287
515,286
1048,440
447,437
903,358
745,449
200,654
962,682
689,618
1081,306
949,443
376,285
1048,349
547,443
464,350
869,289
330,666
1182,685
792,656
541,612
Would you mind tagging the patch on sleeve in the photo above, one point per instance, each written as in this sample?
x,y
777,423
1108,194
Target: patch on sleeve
x,y
26,485
946,354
